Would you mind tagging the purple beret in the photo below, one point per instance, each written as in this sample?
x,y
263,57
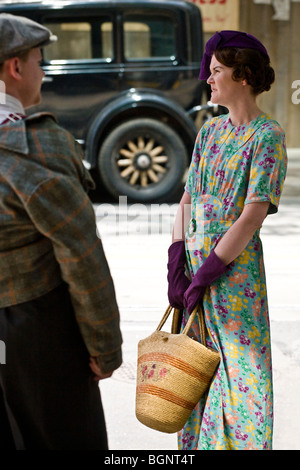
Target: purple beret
x,y
228,39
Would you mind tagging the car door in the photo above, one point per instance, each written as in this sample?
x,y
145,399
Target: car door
x,y
82,69
156,54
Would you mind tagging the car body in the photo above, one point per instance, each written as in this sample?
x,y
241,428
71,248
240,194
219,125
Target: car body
x,y
123,79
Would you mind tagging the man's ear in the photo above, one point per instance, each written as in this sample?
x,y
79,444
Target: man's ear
x,y
14,68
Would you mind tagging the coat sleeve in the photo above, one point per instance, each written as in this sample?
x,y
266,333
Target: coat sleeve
x,y
61,210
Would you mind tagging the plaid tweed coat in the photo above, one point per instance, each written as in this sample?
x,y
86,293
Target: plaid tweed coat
x,y
48,231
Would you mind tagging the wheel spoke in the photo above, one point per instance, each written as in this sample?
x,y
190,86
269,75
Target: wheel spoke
x,y
134,177
144,179
124,162
126,153
141,143
153,177
158,168
149,145
160,159
132,146
156,151
130,169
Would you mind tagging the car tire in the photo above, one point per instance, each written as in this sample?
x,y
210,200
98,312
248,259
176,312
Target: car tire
x,y
143,159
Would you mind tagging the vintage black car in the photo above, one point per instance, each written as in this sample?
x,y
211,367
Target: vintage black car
x,y
123,78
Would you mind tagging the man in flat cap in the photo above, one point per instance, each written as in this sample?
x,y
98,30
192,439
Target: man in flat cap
x,y
59,318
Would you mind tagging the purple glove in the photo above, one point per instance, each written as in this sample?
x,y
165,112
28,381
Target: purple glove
x,y
212,269
178,282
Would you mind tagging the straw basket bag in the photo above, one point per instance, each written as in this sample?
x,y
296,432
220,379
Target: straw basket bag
x,y
173,372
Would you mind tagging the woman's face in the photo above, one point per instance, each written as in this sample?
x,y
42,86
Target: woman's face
x,y
224,90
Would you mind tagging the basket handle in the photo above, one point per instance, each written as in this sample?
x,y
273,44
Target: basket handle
x,y
164,318
196,310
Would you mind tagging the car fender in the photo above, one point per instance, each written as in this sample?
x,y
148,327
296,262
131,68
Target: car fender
x,y
119,110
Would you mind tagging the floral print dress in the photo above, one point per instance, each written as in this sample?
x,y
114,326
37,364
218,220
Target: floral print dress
x,y
231,167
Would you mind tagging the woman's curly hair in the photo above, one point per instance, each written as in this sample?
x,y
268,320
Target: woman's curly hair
x,y
248,64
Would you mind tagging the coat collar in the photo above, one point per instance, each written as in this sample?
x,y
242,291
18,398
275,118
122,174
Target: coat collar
x,y
13,135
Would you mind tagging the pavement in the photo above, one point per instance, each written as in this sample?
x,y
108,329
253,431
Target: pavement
x,y
136,239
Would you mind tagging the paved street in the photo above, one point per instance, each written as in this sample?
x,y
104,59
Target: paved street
x,y
136,239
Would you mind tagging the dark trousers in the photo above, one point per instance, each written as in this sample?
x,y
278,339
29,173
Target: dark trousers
x,y
48,398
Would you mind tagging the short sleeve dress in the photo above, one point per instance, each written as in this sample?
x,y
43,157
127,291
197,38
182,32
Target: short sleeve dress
x,y
231,167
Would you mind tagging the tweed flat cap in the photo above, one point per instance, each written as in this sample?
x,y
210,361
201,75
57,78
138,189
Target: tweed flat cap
x,y
19,34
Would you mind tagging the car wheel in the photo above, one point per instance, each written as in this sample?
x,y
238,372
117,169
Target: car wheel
x,y
143,159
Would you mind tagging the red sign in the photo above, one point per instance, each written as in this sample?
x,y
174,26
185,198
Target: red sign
x,y
219,14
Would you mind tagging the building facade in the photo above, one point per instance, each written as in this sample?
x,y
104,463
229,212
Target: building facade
x,y
275,23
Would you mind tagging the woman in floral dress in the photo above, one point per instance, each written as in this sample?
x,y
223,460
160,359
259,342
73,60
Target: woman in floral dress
x,y
235,180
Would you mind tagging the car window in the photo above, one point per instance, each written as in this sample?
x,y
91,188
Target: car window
x,y
80,40
148,37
